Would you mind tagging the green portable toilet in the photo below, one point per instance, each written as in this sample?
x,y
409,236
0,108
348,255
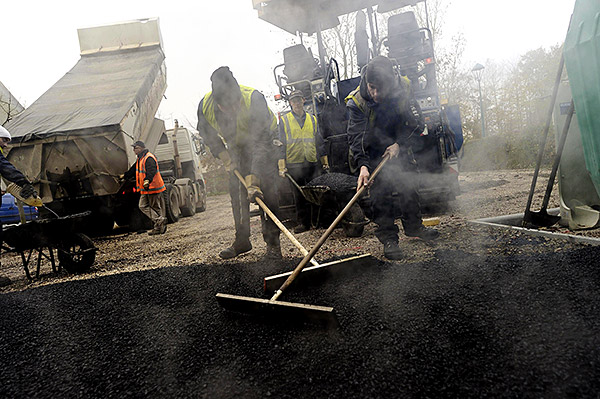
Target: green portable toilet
x,y
582,59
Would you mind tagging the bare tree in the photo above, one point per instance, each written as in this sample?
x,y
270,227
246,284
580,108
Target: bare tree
x,y
339,44
9,106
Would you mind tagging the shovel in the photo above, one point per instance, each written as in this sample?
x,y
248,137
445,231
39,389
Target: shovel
x,y
307,312
542,218
296,185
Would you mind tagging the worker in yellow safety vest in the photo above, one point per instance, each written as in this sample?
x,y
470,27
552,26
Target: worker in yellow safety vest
x,y
238,127
302,143
150,185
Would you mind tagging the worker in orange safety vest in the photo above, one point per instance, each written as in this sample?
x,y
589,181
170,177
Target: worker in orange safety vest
x,y
150,185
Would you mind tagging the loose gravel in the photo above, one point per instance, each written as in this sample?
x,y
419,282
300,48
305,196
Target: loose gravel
x,y
479,313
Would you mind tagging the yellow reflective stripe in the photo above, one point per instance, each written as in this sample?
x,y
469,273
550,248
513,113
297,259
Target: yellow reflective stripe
x,y
155,189
208,110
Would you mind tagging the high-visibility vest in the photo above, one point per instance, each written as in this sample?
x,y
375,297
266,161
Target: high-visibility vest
x,y
243,116
300,141
157,185
361,103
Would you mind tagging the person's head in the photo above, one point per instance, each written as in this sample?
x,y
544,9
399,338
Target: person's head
x,y
226,91
380,78
138,147
296,100
4,137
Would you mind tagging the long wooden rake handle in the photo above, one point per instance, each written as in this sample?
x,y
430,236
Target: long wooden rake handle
x,y
274,218
327,233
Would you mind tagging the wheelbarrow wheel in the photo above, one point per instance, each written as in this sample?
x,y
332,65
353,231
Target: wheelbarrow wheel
x,y
78,254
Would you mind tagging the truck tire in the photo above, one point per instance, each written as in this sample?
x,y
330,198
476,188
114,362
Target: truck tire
x,y
201,204
171,203
189,201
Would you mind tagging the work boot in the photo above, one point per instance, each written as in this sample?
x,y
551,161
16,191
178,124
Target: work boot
x,y
273,253
235,250
392,251
154,231
301,228
423,233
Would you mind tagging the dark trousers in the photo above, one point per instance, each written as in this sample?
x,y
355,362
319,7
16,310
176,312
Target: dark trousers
x,y
302,173
401,176
241,206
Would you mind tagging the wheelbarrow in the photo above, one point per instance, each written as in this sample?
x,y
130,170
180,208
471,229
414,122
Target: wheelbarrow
x,y
75,251
331,203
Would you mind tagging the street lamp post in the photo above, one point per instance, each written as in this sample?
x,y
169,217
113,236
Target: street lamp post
x,y
478,71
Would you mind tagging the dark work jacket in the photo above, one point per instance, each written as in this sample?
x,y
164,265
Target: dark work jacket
x,y
397,120
150,168
10,173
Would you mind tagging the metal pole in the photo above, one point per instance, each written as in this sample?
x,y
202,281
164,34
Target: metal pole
x,y
374,37
321,49
481,109
427,16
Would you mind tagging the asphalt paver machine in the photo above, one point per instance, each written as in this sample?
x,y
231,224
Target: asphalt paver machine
x,y
318,77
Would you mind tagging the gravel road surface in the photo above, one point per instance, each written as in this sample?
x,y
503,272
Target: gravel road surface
x,y
479,313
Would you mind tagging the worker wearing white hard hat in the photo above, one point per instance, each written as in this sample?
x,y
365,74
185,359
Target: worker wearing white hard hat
x,y
9,172
5,135
12,174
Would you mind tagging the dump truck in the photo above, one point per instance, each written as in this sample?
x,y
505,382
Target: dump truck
x,y
75,140
179,154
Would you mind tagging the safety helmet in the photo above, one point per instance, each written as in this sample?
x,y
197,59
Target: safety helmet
x,y
4,133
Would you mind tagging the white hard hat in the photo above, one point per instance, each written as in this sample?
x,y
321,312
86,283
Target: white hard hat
x,y
4,133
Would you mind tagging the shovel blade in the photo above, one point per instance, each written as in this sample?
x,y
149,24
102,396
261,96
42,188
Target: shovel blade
x,y
279,310
539,219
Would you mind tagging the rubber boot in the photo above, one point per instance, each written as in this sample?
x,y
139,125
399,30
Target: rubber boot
x,y
422,232
236,249
392,251
273,252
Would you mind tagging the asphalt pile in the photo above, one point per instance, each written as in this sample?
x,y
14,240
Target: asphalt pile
x,y
335,181
459,324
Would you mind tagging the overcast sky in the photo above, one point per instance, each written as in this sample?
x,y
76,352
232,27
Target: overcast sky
x,y
40,40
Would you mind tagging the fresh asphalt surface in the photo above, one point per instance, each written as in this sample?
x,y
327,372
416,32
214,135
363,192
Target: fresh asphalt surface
x,y
458,325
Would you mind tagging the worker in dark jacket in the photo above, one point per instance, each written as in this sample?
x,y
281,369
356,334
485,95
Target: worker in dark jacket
x,y
384,119
303,147
238,127
150,185
12,174
9,172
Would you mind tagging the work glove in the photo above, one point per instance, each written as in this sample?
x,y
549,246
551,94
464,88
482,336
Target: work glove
x,y
226,159
392,151
252,185
282,169
325,163
28,191
146,184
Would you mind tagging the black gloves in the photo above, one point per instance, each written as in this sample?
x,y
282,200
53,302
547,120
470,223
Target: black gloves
x,y
28,191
